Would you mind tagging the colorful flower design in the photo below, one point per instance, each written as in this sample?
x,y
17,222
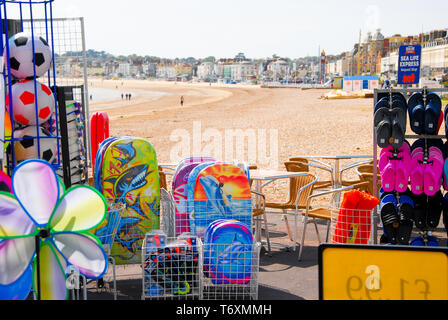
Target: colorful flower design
x,y
61,219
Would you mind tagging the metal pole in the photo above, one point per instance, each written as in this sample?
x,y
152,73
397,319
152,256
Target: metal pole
x,y
86,95
37,244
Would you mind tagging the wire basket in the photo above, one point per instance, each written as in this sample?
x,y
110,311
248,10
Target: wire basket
x,y
171,267
351,226
195,216
230,272
107,233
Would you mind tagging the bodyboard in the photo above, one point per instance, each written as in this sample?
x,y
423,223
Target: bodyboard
x,y
221,191
130,176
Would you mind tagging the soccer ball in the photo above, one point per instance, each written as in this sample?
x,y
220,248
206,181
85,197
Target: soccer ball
x,y
21,59
27,147
24,105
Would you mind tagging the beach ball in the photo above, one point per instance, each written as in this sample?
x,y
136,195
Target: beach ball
x,y
18,290
24,103
8,130
21,57
27,148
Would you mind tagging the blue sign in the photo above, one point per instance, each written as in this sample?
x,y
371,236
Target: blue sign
x,y
409,61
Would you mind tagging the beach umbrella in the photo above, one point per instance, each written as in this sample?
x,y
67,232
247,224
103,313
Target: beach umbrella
x,y
45,227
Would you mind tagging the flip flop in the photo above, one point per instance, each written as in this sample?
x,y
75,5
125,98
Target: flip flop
x,y
445,112
405,214
382,103
432,176
416,175
435,208
401,176
445,212
384,133
420,211
385,155
432,241
416,113
397,135
389,217
432,113
418,242
388,177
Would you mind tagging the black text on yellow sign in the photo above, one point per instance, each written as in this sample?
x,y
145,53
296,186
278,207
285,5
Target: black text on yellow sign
x,y
348,272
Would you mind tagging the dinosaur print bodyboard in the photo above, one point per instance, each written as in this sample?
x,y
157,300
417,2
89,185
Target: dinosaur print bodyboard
x,y
221,191
130,176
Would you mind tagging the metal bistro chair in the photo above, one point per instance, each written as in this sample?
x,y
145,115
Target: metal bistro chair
x,y
359,165
259,213
303,165
300,188
323,213
366,175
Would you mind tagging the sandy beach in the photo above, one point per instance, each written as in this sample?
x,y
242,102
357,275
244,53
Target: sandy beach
x,y
305,123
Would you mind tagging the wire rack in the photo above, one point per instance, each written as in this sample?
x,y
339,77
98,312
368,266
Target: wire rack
x,y
230,272
171,267
351,226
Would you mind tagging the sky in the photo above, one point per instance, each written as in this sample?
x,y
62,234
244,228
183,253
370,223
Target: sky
x,y
258,28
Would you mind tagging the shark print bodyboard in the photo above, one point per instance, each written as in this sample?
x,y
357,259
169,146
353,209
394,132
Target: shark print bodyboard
x,y
130,176
221,191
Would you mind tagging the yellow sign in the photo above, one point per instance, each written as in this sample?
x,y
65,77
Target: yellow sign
x,y
348,272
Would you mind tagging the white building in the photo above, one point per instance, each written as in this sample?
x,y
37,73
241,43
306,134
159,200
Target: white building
x,y
166,71
279,68
124,69
206,71
241,71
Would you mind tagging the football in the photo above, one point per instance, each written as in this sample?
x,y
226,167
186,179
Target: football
x,y
22,59
27,147
24,103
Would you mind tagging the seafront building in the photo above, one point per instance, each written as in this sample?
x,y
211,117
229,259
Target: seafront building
x,y
375,55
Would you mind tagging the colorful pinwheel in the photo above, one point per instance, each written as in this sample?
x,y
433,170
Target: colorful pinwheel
x,y
43,215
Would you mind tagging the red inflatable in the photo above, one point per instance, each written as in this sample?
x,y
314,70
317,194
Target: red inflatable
x,y
99,131
354,219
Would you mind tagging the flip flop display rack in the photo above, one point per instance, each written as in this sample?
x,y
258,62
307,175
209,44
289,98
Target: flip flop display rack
x,y
413,176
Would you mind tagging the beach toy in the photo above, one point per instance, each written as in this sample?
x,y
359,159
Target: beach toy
x,y
416,113
221,191
230,248
362,218
97,171
22,61
345,216
179,188
24,109
432,113
18,290
28,147
8,130
191,160
99,131
130,176
60,219
5,182
191,185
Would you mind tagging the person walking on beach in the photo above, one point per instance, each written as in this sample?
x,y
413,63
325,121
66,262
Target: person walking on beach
x,y
182,101
127,96
122,96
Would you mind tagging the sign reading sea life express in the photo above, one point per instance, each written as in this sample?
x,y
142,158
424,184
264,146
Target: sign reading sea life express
x,y
409,61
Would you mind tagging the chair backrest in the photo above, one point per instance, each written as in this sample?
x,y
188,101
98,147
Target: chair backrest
x,y
301,163
162,179
368,177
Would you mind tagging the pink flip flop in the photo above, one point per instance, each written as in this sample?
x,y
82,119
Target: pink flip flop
x,y
401,176
417,173
384,159
432,176
388,177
